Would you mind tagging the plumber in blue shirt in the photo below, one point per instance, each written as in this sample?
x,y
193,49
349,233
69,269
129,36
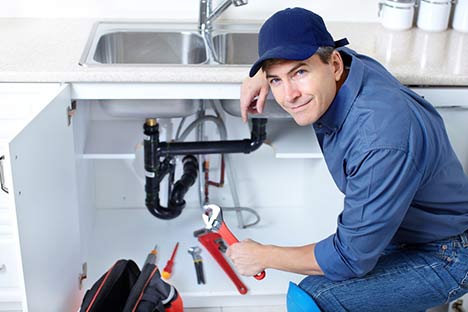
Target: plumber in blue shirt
x,y
401,242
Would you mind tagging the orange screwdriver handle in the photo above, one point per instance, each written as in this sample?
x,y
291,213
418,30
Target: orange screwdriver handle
x,y
230,239
168,268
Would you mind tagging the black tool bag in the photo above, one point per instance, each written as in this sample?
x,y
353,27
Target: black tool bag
x,y
124,288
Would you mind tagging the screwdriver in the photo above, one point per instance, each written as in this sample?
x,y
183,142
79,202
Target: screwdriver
x,y
151,258
166,274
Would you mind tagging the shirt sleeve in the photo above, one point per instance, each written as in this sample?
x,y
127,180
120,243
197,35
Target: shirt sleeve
x,y
380,187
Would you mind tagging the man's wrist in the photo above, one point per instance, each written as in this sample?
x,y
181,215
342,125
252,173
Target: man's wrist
x,y
267,256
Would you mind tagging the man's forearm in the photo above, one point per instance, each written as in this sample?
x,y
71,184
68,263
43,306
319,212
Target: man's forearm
x,y
299,260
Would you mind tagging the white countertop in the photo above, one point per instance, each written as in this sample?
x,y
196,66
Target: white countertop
x,y
48,50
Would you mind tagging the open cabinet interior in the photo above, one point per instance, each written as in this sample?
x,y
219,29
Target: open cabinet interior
x,y
295,199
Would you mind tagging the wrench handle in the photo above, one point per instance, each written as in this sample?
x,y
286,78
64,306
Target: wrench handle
x,y
209,241
230,239
260,276
227,235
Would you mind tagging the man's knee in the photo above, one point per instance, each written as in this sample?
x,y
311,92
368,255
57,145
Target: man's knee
x,y
314,285
323,292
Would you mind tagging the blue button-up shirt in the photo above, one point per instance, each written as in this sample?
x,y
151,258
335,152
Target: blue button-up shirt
x,y
388,152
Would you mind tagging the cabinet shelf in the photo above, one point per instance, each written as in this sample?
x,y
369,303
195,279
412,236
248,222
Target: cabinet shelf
x,y
290,140
109,139
121,139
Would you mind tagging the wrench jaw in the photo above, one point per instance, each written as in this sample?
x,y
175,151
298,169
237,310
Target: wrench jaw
x,y
212,217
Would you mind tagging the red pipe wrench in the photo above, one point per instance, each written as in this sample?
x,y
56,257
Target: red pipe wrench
x,y
213,218
214,244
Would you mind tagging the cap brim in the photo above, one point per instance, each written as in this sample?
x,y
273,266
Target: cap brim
x,y
297,53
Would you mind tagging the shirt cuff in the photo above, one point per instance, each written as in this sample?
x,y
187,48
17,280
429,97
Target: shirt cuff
x,y
330,260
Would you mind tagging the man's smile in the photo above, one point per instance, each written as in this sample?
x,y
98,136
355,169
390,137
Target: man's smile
x,y
299,107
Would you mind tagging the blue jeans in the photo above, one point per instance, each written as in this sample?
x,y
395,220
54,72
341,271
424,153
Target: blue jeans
x,y
409,277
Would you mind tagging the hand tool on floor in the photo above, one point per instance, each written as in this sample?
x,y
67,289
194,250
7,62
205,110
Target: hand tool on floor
x,y
213,218
198,262
151,258
213,242
167,271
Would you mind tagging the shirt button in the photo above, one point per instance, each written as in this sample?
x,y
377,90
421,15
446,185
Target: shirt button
x,y
444,247
319,125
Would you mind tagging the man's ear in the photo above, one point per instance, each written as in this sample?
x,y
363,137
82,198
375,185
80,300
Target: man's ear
x,y
338,65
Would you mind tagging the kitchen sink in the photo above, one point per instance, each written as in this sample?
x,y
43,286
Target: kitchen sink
x,y
150,48
146,44
236,48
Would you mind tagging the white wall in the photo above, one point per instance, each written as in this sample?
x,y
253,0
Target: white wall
x,y
335,10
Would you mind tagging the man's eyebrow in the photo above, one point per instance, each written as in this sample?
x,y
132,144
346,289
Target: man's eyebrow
x,y
289,72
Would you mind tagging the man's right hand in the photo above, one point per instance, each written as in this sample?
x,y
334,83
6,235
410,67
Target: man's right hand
x,y
253,95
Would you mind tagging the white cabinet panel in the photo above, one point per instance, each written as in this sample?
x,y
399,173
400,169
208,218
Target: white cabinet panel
x,y
6,223
44,183
9,265
10,300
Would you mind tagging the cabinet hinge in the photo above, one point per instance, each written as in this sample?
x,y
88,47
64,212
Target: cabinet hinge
x,y
71,111
83,274
2,175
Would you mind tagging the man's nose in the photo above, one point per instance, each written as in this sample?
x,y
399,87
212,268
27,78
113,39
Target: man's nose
x,y
291,92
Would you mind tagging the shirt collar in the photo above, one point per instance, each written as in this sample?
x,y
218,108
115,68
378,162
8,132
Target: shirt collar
x,y
336,114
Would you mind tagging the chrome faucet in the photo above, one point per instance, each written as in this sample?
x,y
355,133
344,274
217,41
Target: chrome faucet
x,y
208,16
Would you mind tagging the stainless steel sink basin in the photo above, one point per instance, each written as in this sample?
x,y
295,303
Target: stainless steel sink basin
x,y
143,44
150,48
236,48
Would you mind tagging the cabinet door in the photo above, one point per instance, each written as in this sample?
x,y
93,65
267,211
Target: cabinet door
x,y
44,184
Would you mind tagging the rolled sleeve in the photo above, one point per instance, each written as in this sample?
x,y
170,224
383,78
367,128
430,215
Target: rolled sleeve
x,y
381,185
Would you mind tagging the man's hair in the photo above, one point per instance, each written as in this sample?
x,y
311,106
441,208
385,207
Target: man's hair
x,y
323,52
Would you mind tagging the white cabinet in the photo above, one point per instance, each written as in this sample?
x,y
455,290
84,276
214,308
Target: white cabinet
x,y
39,245
78,193
16,109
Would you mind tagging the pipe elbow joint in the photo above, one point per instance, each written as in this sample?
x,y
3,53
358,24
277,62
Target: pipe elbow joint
x,y
258,134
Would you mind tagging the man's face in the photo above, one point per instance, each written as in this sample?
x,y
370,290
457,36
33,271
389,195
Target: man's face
x,y
305,89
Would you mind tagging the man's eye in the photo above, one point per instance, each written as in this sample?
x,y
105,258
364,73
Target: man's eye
x,y
274,81
300,72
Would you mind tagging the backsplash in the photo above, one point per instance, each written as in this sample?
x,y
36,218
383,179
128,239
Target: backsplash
x,y
336,10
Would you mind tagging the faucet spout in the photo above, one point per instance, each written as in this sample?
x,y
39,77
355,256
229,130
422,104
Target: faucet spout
x,y
207,15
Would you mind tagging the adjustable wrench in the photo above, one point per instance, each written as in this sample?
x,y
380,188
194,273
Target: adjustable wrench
x,y
213,218
213,243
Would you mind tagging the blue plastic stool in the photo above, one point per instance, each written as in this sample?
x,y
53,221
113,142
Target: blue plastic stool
x,y
298,300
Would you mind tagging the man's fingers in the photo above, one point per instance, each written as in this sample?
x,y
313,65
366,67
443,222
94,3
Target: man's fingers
x,y
261,100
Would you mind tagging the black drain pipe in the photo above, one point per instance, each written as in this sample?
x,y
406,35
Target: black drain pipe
x,y
156,170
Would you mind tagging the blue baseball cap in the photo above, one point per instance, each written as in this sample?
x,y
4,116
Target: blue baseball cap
x,y
292,34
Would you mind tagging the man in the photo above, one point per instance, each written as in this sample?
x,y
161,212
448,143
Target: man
x,y
401,242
